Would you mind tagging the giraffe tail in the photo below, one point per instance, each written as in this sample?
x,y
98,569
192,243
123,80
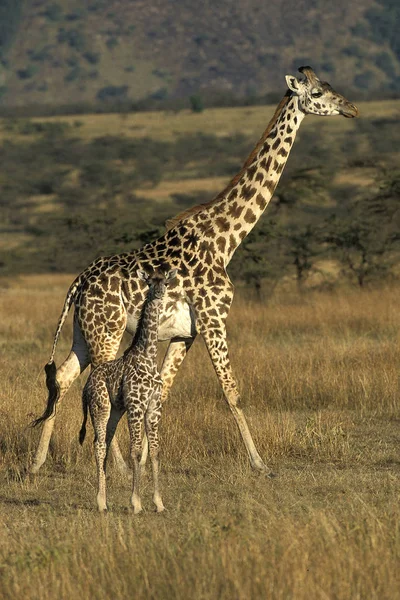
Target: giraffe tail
x,y
50,368
54,393
82,433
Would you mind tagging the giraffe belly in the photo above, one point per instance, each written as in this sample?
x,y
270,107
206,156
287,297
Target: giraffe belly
x,y
178,321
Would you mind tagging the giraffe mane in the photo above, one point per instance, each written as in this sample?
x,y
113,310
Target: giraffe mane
x,y
193,210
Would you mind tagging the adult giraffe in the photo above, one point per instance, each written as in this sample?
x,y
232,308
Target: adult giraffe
x,y
200,243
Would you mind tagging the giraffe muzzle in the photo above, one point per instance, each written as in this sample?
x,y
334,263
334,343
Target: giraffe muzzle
x,y
350,111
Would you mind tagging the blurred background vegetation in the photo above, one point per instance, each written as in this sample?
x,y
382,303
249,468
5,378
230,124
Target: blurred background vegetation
x,y
72,189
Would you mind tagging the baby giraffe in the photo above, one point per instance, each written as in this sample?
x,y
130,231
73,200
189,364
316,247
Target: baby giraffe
x,y
133,384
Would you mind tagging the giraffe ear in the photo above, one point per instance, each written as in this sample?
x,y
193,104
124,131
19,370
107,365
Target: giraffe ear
x,y
172,274
292,84
143,276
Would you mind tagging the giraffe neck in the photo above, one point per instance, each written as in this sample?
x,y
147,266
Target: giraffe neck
x,y
145,339
233,214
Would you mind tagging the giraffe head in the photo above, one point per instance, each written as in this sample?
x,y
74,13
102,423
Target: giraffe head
x,y
157,280
317,97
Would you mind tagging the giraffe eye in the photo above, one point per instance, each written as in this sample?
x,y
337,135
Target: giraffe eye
x,y
316,94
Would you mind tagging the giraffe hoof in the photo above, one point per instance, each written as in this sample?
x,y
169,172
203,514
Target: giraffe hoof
x,y
137,508
264,470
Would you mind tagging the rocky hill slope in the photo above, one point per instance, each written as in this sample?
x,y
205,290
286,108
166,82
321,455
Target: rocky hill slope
x,y
97,51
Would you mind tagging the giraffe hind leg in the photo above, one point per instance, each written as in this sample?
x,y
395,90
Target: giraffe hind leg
x,y
77,361
105,423
218,350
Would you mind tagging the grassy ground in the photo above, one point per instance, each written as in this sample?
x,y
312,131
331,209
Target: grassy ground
x,y
320,386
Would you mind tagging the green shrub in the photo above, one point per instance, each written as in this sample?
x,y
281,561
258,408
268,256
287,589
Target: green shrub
x,y
353,50
73,74
73,37
53,12
386,63
112,92
92,57
27,73
196,103
112,42
364,80
41,54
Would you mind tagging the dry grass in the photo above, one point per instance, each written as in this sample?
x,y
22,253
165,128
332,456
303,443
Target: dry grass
x,y
320,387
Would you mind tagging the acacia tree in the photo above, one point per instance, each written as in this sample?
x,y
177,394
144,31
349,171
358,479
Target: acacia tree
x,y
261,258
301,246
360,251
366,241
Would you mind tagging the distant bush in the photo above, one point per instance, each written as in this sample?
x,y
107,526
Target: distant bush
x,y
386,63
53,12
328,66
160,94
364,80
112,42
72,61
28,127
266,59
42,87
112,92
97,5
27,73
92,57
353,50
41,54
75,15
98,174
93,74
73,74
73,37
196,103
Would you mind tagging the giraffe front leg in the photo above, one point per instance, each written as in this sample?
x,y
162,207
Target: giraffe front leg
x,y
135,415
152,419
173,359
215,339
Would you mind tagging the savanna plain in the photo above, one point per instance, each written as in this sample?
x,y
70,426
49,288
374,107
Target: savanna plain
x,y
318,368
319,376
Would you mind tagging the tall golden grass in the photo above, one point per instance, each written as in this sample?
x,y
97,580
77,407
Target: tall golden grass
x,y
319,376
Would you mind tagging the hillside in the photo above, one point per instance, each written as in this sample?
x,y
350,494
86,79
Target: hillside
x,y
99,51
